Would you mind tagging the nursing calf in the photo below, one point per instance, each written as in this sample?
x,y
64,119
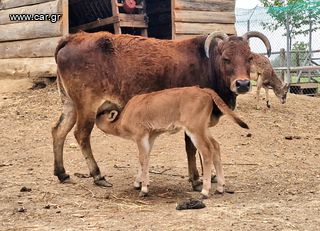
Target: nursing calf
x,y
147,116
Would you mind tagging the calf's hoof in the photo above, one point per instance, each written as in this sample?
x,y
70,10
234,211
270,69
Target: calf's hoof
x,y
63,177
268,105
204,194
102,182
137,185
218,192
143,194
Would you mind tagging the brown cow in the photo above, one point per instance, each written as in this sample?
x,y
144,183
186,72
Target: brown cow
x,y
99,67
149,115
261,71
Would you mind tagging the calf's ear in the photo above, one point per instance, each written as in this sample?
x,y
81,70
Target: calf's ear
x,y
112,115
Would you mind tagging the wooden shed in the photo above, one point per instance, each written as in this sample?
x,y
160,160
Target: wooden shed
x,y
27,47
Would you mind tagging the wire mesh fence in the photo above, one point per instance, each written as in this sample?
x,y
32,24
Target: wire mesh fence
x,y
303,69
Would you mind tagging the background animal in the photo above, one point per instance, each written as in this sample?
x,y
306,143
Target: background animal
x,y
147,116
101,67
261,71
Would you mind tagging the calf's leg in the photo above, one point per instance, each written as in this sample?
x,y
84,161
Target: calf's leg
x,y
259,85
218,166
144,146
192,164
84,126
59,132
267,96
203,144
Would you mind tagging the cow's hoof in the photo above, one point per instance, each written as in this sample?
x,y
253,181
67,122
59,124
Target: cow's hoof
x,y
197,188
143,194
63,177
196,185
214,179
102,182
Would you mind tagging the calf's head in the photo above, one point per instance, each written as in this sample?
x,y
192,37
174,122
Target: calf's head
x,y
230,58
281,92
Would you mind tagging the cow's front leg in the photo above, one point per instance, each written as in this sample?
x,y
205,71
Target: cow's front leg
x,y
192,165
82,134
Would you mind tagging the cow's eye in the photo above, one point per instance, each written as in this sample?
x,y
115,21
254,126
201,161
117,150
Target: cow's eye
x,y
226,61
250,58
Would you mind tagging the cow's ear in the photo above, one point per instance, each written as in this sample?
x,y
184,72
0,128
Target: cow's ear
x,y
112,115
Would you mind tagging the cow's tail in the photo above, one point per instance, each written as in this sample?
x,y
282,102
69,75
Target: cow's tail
x,y
224,108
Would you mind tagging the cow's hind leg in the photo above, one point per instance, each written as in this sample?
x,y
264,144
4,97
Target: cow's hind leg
x,y
192,165
84,126
59,132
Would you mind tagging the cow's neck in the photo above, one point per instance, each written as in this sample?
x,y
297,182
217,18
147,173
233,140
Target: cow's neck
x,y
217,83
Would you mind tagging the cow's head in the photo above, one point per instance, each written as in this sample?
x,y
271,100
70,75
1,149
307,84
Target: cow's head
x,y
230,56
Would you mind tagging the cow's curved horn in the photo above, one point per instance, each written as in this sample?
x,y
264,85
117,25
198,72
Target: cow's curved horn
x,y
261,36
213,35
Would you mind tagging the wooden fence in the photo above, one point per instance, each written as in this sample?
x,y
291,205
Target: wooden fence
x,y
27,47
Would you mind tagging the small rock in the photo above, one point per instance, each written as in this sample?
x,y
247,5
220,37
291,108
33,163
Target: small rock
x,y
25,189
73,145
288,137
20,202
58,211
21,210
249,135
46,207
78,215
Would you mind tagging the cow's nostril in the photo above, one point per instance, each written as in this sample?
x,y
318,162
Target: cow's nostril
x,y
246,83
243,86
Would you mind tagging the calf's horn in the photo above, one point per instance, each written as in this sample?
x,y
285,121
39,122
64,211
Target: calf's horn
x,y
212,36
261,36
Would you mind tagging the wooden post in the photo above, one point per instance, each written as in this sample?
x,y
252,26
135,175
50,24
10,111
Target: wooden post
x,y
65,17
144,31
282,62
115,12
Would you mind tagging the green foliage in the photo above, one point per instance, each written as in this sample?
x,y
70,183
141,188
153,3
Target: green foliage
x,y
301,53
299,13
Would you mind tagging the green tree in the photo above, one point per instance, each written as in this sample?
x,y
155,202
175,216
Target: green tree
x,y
300,54
299,13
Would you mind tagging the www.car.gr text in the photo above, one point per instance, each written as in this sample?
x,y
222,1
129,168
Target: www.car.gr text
x,y
35,17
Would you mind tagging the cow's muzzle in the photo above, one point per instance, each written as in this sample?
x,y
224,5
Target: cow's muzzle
x,y
243,86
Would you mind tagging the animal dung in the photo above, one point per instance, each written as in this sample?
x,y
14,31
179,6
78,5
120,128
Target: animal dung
x,y
191,204
25,189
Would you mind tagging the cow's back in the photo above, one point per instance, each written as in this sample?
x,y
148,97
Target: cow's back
x,y
124,65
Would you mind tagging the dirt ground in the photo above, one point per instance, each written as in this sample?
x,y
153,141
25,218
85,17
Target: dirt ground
x,y
275,172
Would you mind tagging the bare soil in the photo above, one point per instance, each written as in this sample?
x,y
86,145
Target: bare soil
x,y
275,172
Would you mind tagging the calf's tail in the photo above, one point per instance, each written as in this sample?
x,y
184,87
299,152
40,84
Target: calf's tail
x,y
225,109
